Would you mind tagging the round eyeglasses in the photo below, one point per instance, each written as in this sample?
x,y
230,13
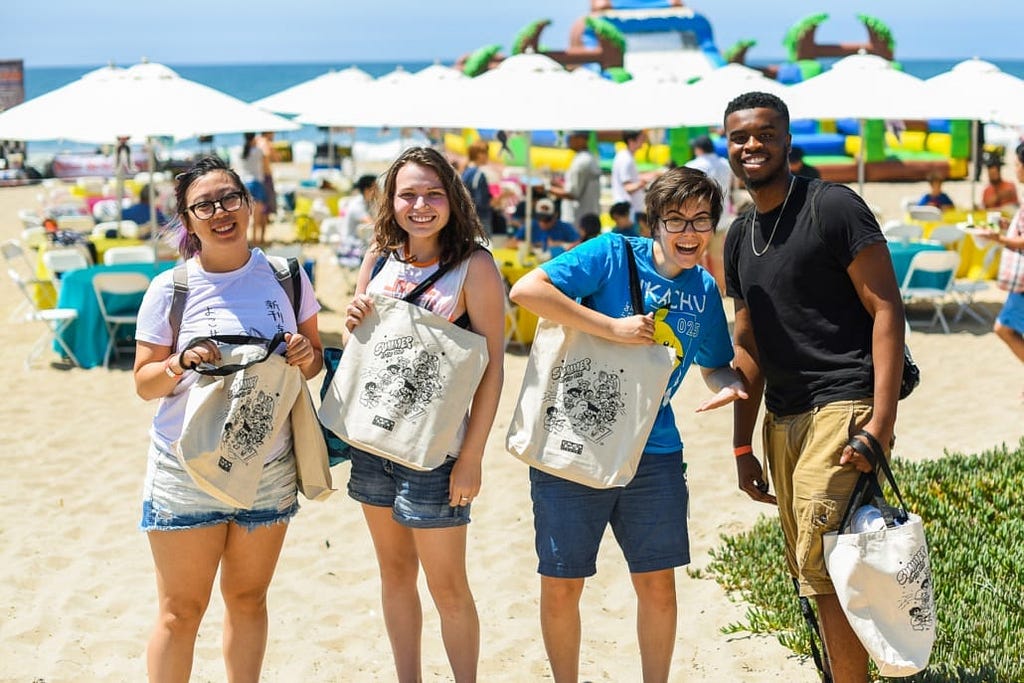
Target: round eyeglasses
x,y
699,224
232,201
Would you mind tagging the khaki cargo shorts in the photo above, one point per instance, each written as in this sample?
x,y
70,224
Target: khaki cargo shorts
x,y
812,488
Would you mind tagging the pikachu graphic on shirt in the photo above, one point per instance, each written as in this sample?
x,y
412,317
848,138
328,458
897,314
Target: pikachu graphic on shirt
x,y
664,335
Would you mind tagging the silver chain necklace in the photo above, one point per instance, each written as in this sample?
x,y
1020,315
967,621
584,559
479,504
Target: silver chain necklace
x,y
774,227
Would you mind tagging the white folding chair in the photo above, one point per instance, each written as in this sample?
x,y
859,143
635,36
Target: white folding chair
x,y
55,319
926,214
142,253
34,236
902,232
105,210
965,290
947,235
60,261
941,266
17,260
109,284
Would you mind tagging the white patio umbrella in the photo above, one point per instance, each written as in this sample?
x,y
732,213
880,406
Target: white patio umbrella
x,y
299,98
981,92
144,101
864,87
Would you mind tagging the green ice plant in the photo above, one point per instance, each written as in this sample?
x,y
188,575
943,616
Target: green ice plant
x,y
970,505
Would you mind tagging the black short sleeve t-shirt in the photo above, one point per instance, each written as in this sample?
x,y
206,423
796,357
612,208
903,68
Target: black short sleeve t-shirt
x,y
813,334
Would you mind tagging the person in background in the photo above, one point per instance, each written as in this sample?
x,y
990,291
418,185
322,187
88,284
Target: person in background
x,y
251,171
265,140
998,194
547,233
622,224
360,208
797,165
935,196
819,332
418,519
478,185
140,210
626,180
589,226
642,226
581,192
232,290
1009,325
649,514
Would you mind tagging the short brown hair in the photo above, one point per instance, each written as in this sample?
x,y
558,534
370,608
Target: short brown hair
x,y
677,186
476,149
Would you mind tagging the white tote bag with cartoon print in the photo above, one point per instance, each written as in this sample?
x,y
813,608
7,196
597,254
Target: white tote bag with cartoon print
x,y
404,384
587,405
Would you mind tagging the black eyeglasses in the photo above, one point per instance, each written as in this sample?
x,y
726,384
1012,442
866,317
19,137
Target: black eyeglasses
x,y
232,201
699,224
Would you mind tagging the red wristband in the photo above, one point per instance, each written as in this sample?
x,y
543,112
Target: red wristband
x,y
743,450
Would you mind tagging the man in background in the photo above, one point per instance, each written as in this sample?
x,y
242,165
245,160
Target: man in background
x,y
627,182
581,191
476,181
715,167
265,140
798,167
998,194
622,224
548,233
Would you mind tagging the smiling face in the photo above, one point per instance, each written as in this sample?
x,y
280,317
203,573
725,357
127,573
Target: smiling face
x,y
682,250
224,230
421,204
758,145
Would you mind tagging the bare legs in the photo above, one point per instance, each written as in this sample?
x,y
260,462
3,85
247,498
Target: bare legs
x,y
186,564
848,660
1011,338
655,624
442,554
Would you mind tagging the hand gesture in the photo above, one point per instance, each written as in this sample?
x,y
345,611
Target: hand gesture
x,y
726,395
357,310
298,350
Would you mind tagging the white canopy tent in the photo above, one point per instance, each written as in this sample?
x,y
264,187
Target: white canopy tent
x,y
144,101
864,87
983,94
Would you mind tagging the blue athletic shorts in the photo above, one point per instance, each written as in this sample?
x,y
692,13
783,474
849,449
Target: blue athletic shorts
x,y
647,516
1012,315
417,499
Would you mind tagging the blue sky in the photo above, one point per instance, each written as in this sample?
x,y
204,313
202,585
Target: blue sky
x,y
76,33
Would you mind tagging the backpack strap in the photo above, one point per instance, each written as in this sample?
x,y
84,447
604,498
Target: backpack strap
x,y
285,270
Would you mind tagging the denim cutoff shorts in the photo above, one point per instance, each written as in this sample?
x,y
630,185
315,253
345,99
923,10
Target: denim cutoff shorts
x,y
647,516
417,499
171,500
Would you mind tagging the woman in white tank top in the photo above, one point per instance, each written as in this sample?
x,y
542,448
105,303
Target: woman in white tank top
x,y
426,220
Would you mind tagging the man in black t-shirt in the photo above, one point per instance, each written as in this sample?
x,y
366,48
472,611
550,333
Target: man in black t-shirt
x,y
819,330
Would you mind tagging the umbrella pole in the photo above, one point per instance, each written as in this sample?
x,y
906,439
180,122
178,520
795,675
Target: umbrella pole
x,y
152,165
528,214
860,158
972,159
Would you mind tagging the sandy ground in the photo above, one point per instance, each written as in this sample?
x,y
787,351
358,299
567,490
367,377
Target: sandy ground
x,y
77,593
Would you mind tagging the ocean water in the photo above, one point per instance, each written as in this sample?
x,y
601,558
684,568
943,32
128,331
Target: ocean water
x,y
250,82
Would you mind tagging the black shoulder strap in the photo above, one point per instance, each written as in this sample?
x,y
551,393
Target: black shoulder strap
x,y
285,270
635,294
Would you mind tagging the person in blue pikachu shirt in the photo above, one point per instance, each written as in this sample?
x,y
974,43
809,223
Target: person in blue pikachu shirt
x,y
682,309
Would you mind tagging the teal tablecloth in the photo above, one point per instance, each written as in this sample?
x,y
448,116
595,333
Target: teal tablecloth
x,y
87,336
903,253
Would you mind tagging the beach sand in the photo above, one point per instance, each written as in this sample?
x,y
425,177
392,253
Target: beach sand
x,y
77,588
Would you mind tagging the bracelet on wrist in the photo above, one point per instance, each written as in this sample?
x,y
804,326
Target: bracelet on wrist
x,y
169,371
739,451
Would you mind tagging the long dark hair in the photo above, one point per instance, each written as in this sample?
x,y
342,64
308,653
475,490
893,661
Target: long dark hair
x,y
463,231
176,231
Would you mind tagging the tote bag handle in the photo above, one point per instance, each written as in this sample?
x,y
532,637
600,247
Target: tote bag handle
x,y
236,339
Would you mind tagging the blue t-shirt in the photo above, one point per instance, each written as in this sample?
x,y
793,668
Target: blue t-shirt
x,y
559,232
688,310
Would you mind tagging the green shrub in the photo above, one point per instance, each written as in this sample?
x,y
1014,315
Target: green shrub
x,y
974,524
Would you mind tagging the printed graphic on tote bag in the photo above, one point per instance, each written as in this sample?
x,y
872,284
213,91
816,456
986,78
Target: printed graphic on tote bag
x,y
251,422
401,382
582,401
916,580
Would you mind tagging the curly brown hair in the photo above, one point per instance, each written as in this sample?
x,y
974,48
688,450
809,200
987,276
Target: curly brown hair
x,y
463,232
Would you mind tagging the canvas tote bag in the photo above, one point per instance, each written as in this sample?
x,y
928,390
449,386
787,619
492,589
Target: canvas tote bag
x,y
587,405
232,414
404,384
883,578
